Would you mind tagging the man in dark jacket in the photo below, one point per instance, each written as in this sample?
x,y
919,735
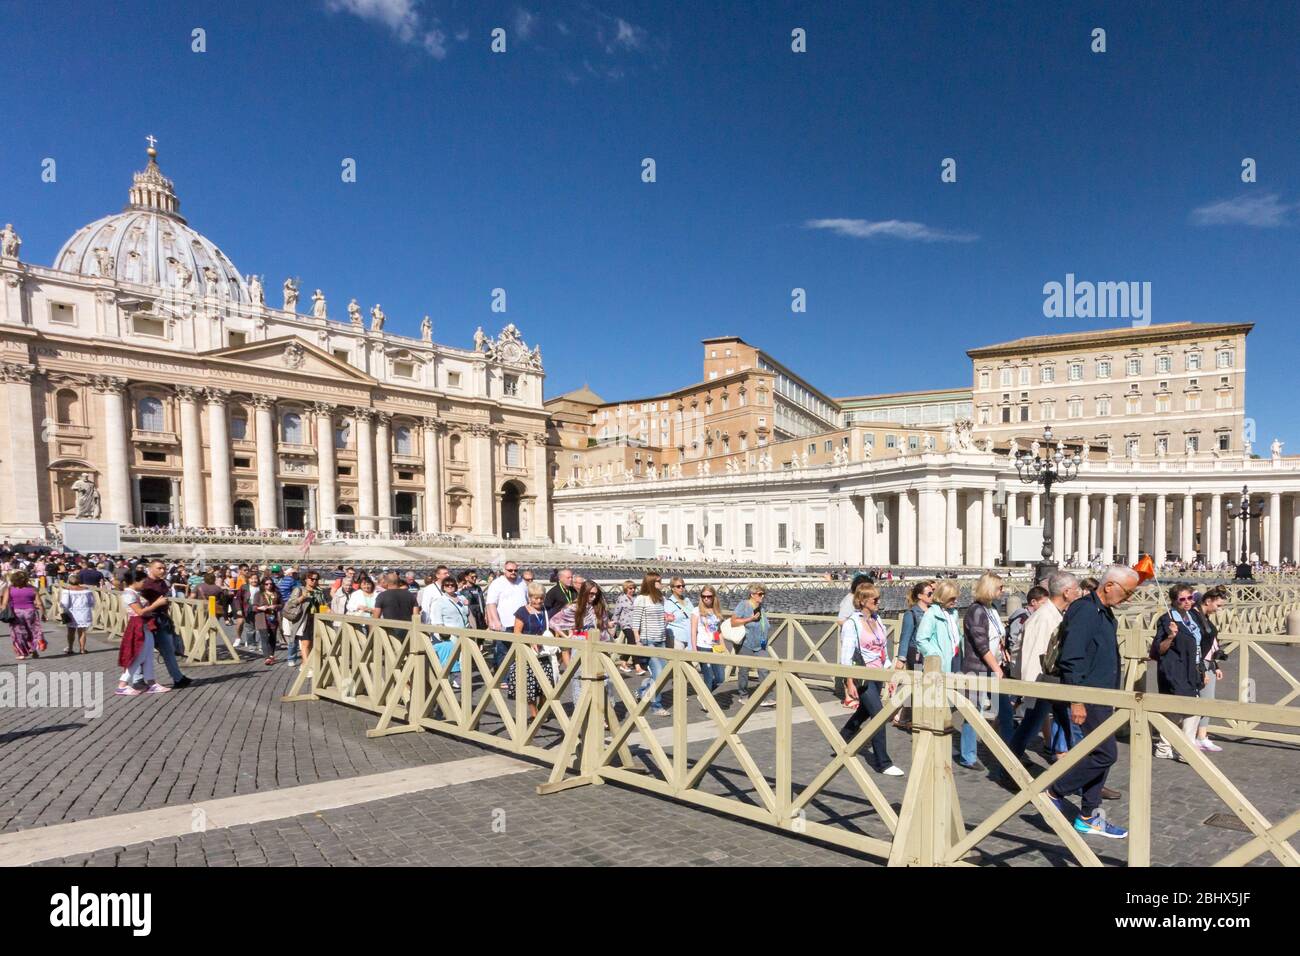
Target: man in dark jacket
x,y
1090,658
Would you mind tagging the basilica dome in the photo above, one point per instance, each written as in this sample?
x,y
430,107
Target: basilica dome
x,y
149,243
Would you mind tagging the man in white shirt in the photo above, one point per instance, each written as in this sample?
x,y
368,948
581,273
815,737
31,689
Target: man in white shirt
x,y
505,595
428,597
1062,590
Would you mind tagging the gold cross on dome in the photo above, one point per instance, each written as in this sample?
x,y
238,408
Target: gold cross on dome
x,y
151,141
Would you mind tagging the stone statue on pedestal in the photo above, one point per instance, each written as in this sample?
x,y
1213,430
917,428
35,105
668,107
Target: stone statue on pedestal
x,y
377,318
480,340
87,503
354,314
318,308
9,242
426,329
1275,449
255,290
290,295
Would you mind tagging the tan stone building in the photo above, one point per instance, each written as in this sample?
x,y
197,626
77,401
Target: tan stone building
x,y
144,359
1155,391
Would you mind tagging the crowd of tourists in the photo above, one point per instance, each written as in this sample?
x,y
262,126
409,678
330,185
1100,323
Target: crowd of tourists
x,y
1065,633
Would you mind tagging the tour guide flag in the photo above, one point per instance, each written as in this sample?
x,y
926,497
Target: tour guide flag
x,y
1146,569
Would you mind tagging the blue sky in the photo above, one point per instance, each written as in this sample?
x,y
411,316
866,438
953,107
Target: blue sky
x,y
522,170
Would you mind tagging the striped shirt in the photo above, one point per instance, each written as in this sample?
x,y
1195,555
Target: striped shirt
x,y
648,619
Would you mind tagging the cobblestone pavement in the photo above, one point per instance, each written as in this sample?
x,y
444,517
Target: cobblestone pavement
x,y
230,734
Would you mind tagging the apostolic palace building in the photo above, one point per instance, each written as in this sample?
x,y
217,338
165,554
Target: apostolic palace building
x,y
148,382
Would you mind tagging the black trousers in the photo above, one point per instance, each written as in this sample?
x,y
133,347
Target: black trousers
x,y
1088,776
869,704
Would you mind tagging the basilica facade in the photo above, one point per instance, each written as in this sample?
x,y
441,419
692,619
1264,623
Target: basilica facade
x,y
147,381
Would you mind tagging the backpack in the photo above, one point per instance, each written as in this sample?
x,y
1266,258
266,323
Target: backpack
x,y
1051,658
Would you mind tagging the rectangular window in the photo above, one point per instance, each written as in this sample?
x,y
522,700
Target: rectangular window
x,y
891,441
812,448
780,535
237,339
63,314
1224,440
1024,413
1103,369
1223,400
157,456
510,385
143,325
404,370
663,534
1133,405
1076,371
1048,412
1103,407
453,379
1225,358
1193,403
913,442
984,416
1076,408
1193,442
243,463
1194,361
1162,445
1132,446
406,476
984,379
1006,378
1163,364
599,534
690,536
1162,403
717,535
579,534
749,535
1006,414
1024,375
1047,375
1135,366
344,471
819,536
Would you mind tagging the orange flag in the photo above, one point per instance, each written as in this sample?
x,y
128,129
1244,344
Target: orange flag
x,y
1146,569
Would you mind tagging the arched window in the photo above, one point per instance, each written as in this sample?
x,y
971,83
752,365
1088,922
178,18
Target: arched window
x,y
513,458
67,407
402,440
150,412
342,430
239,426
291,429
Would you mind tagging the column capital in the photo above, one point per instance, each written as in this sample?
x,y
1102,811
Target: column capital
x,y
324,409
366,415
258,400
109,384
435,425
477,428
216,396
11,372
383,419
189,393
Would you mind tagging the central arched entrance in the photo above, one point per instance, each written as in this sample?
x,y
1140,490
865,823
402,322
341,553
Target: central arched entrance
x,y
343,519
511,492
244,517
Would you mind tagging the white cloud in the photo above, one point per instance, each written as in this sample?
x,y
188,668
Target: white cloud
x,y
523,23
401,17
629,35
888,228
1264,212
562,27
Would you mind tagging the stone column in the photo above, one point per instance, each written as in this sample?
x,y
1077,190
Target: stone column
x,y
21,453
952,530
989,531
1108,529
541,518
1214,530
1084,526
220,509
930,527
1187,544
191,455
485,485
327,472
1160,532
868,544
432,476
1295,529
365,468
1035,509
264,425
1134,528
906,529
117,450
1275,529
384,469
1058,528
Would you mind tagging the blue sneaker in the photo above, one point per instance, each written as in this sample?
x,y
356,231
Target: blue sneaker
x,y
1097,825
1058,803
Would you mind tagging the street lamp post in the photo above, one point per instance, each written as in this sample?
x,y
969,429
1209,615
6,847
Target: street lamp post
x,y
1244,514
1055,464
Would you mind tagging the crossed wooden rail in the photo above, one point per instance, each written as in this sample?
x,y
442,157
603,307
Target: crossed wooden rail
x,y
590,726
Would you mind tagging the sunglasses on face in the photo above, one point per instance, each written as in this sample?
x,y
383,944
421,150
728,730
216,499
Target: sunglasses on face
x,y
1186,597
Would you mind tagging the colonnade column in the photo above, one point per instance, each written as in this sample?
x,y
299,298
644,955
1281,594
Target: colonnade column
x,y
1108,529
1187,544
989,530
1058,528
268,507
1214,530
191,455
1084,528
869,530
1035,508
432,477
327,485
906,529
1134,528
1159,550
1275,529
365,468
1295,529
930,527
384,469
116,449
952,530
221,508
541,481
21,453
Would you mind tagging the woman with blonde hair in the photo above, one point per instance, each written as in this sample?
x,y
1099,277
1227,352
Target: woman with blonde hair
x,y
864,642
706,620
937,635
650,630
532,619
985,655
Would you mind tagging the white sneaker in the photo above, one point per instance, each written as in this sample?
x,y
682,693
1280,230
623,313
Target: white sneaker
x,y
1209,746
892,771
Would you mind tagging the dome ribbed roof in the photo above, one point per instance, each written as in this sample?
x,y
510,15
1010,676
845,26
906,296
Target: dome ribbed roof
x,y
150,243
